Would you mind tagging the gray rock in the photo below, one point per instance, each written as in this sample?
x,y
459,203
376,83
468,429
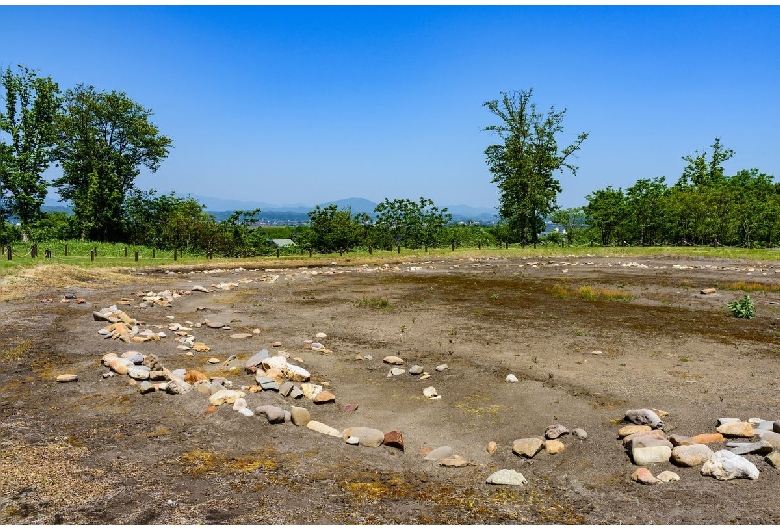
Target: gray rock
x,y
287,416
179,373
761,448
644,417
368,437
773,438
296,393
766,425
145,387
158,375
178,386
272,413
396,371
139,373
527,447
724,421
266,383
555,431
776,426
507,477
579,433
773,458
725,465
441,367
691,455
285,388
680,439
256,359
216,324
440,453
299,416
416,370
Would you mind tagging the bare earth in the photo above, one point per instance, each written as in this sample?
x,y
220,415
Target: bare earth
x,y
97,451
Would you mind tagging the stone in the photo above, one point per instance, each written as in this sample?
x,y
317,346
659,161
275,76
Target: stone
x,y
299,416
321,428
276,344
178,387
239,403
454,461
211,409
108,357
216,324
392,359
668,476
708,438
691,455
491,448
324,397
285,388
708,290
296,393
511,378
644,476
776,426
193,376
773,458
773,438
553,447
257,359
310,390
736,429
145,387
320,335
555,431
368,437
246,411
650,435
240,335
200,347
441,367
579,433
213,360
644,417
760,448
416,370
351,407
353,440
527,447
507,477
139,373
650,451
120,366
628,430
225,396
158,375
724,421
396,371
430,393
440,453
725,465
394,439
67,378
679,439
272,413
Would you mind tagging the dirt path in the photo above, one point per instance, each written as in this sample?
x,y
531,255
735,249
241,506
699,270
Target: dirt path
x,y
97,451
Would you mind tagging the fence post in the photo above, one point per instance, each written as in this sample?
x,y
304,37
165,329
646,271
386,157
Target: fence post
x,y
34,251
66,249
47,253
175,251
154,253
370,250
10,253
399,249
136,255
453,245
92,255
95,251
125,251
277,252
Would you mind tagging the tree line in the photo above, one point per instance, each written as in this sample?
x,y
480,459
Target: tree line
x,y
100,141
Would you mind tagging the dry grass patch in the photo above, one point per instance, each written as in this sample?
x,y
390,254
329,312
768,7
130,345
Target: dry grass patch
x,y
590,293
21,283
749,287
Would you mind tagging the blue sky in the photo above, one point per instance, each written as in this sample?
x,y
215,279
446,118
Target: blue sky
x,y
308,104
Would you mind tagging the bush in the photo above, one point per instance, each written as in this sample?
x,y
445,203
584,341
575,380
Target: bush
x,y
744,308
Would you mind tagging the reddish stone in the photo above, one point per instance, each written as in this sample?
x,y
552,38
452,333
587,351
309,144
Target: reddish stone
x,y
212,409
708,438
193,376
350,407
394,439
324,397
251,369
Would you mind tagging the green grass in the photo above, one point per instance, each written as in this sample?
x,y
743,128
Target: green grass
x,y
374,303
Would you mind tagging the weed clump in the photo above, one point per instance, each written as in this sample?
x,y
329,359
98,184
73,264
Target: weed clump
x,y
744,308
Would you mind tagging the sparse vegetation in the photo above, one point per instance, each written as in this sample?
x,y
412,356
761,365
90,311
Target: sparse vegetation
x,y
744,308
373,303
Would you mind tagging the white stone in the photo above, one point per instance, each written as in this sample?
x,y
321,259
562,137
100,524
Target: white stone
x,y
430,392
511,378
725,465
507,477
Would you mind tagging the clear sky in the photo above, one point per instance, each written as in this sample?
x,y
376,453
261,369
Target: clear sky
x,y
309,104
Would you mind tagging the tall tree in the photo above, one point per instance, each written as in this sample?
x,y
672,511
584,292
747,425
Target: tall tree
x,y
31,105
104,138
702,172
524,165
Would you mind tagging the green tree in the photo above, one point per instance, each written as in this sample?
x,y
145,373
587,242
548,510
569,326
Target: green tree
x,y
702,172
333,230
412,224
573,221
525,163
644,215
31,105
605,212
104,138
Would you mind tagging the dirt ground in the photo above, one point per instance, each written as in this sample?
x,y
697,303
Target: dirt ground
x,y
97,451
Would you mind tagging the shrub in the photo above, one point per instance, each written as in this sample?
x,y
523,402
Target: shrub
x,y
744,308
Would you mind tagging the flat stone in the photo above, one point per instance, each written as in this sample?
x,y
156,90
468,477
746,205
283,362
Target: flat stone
x,y
246,411
368,437
120,366
351,407
679,439
441,367
773,458
310,390
396,371
668,476
555,431
736,429
145,387
454,461
67,378
416,370
225,396
320,335
158,375
272,413
725,465
760,448
644,476
628,430
553,447
394,439
724,421
324,397
211,409
527,447
691,455
507,477
649,435
392,359
321,428
651,454
773,438
285,388
257,359
445,451
240,335
139,373
299,416
708,438
216,324
296,393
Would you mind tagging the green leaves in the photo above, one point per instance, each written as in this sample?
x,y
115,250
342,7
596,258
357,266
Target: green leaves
x,y
744,308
